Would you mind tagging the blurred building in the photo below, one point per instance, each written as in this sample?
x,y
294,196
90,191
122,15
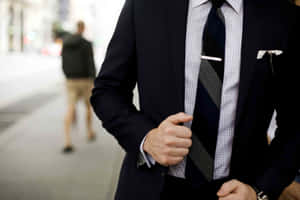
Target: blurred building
x,y
100,17
26,25
107,14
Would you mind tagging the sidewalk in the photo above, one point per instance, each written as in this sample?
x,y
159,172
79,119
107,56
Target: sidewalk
x,y
33,167
25,74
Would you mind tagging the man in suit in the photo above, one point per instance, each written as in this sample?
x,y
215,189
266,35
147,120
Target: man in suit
x,y
210,75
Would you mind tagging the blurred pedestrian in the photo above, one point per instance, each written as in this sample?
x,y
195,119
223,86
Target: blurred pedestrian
x,y
79,69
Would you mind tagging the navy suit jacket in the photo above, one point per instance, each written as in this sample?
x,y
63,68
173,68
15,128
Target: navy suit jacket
x,y
148,49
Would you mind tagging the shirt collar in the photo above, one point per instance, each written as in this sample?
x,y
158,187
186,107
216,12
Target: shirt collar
x,y
196,3
235,4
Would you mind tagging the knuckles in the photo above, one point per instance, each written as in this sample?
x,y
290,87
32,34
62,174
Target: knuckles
x,y
167,151
186,151
168,130
189,143
168,141
236,182
189,133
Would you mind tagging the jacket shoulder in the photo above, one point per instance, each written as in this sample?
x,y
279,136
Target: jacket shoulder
x,y
284,7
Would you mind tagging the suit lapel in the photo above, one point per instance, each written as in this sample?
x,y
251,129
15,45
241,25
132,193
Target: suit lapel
x,y
176,11
250,43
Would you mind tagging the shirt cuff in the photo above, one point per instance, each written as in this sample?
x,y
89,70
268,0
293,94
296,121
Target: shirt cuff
x,y
147,158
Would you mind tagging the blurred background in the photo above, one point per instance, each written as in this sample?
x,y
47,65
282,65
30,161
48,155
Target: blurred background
x,y
33,103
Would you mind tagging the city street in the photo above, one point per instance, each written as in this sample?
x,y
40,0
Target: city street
x,y
31,138
24,74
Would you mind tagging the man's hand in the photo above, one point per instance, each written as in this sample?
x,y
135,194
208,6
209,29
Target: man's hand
x,y
235,190
292,192
170,142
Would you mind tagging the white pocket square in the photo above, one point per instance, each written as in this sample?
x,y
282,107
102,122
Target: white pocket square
x,y
261,53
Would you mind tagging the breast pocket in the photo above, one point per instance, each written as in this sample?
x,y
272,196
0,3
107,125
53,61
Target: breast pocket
x,y
267,75
271,62
265,67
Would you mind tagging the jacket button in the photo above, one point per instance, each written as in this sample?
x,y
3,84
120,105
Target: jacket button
x,y
163,174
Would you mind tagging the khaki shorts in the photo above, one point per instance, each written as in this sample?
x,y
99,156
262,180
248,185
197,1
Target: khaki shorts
x,y
79,89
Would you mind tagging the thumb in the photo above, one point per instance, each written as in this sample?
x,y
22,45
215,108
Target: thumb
x,y
180,118
228,188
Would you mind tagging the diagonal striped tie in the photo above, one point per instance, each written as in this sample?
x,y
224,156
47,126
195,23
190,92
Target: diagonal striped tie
x,y
200,162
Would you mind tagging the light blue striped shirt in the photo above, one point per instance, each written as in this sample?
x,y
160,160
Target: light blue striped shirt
x,y
197,17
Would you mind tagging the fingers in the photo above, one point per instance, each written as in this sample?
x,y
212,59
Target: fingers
x,y
172,141
176,152
169,161
183,132
228,187
169,143
179,118
229,197
235,190
178,131
182,143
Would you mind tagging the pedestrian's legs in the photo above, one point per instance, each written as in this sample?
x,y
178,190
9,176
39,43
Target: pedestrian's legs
x,y
90,132
73,95
69,119
89,116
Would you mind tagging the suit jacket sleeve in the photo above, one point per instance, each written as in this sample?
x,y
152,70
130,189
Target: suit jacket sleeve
x,y
284,160
112,97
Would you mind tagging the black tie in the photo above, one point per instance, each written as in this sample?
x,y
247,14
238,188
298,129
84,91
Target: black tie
x,y
200,161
